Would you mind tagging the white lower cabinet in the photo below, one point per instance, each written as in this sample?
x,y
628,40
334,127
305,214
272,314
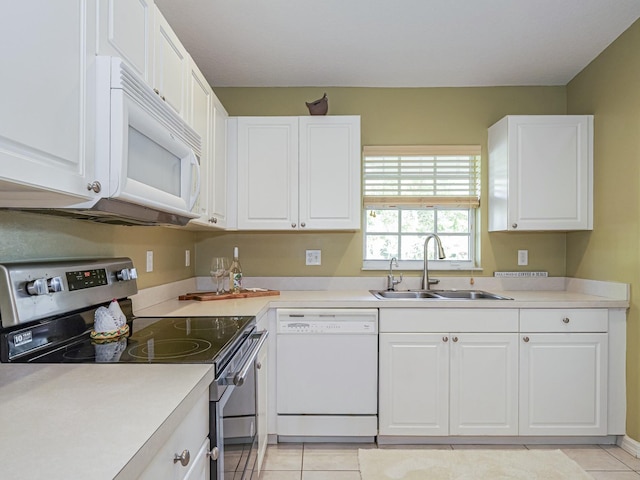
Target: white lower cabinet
x,y
483,384
201,468
187,441
563,373
414,384
445,382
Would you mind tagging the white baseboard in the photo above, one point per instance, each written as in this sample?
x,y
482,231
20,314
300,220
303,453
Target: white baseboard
x,y
629,445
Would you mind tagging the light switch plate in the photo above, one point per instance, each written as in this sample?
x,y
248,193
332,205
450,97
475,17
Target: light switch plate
x,y
314,257
149,260
523,257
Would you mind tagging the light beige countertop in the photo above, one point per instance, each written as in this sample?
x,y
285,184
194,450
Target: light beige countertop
x,y
89,421
364,299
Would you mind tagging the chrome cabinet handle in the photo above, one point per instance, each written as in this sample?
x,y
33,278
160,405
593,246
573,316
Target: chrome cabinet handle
x,y
514,225
566,320
95,187
214,453
445,339
183,458
455,339
303,224
293,225
525,339
258,365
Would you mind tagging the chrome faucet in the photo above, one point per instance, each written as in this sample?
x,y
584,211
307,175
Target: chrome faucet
x,y
391,281
426,283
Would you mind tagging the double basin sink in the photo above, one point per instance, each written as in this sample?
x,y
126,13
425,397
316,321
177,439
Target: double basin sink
x,y
437,295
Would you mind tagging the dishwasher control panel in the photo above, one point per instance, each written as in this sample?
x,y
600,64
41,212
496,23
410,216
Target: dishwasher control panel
x,y
292,326
327,321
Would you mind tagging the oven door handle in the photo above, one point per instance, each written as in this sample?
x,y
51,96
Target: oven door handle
x,y
238,377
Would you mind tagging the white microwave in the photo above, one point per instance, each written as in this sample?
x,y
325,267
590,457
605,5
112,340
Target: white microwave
x,y
147,157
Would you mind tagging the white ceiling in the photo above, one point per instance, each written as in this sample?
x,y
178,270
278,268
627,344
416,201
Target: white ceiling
x,y
396,43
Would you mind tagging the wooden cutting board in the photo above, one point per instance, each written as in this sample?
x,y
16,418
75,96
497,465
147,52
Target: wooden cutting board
x,y
206,296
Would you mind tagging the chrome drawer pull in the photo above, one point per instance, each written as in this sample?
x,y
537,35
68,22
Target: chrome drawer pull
x,y
183,458
566,320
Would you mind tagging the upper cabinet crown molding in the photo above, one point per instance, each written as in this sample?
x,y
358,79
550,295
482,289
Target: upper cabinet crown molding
x,y
541,173
298,173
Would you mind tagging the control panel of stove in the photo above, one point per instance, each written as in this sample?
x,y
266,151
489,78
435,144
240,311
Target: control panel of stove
x,y
32,291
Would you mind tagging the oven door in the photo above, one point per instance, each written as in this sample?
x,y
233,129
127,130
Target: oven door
x,y
234,418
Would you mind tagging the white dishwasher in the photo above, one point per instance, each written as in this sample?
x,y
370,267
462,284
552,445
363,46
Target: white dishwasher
x,y
327,372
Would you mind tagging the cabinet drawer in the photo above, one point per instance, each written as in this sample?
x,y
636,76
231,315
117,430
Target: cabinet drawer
x,y
189,435
564,320
431,320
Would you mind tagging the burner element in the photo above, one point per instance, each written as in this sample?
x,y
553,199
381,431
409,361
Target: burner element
x,y
159,350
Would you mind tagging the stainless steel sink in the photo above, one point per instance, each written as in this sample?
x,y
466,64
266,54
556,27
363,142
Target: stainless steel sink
x,y
384,294
469,295
437,295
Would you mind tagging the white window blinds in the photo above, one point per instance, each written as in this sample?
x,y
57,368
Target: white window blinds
x,y
421,176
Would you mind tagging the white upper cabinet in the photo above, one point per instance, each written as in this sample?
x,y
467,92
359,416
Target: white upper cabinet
x,y
329,172
218,178
47,118
299,173
267,173
170,66
541,173
125,30
199,116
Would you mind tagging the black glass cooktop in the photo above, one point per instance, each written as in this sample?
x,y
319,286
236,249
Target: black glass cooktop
x,y
159,340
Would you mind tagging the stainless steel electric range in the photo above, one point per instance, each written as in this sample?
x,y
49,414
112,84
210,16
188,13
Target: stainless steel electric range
x,y
48,312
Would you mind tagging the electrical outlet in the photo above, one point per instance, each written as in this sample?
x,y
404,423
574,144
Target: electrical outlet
x,y
149,260
314,257
187,258
523,257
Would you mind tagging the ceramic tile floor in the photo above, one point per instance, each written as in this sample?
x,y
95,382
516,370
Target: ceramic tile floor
x,y
335,461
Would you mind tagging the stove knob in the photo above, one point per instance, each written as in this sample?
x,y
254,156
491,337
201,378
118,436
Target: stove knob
x,y
127,274
37,287
55,284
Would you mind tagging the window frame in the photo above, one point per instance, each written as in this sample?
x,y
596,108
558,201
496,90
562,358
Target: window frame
x,y
470,203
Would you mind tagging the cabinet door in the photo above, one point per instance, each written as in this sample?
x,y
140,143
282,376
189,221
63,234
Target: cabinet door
x,y
47,118
541,173
330,172
188,435
125,30
414,384
268,173
200,465
170,66
200,102
218,173
484,384
563,384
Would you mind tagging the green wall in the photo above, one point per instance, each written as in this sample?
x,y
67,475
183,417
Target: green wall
x,y
609,88
391,116
28,236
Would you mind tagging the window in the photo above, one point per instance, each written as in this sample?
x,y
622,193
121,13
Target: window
x,y
411,191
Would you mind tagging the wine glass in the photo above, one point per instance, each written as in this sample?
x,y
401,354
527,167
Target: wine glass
x,y
219,268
